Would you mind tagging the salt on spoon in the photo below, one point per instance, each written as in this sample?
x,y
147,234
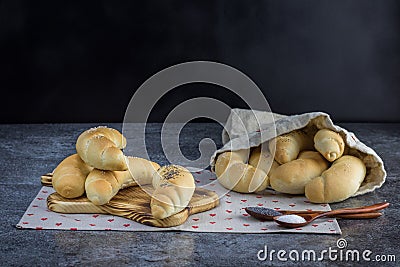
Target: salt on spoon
x,y
290,218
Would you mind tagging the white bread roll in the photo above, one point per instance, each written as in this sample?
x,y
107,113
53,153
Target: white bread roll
x,y
337,183
100,148
69,177
292,177
287,147
263,160
173,188
101,185
142,170
227,158
329,143
235,174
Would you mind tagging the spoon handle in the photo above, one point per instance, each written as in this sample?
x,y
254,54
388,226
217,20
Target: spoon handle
x,y
368,215
364,209
375,207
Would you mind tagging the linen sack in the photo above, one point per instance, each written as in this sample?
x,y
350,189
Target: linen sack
x,y
249,128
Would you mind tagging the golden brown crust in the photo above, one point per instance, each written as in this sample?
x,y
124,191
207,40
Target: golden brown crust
x,y
69,177
101,185
337,183
235,174
173,188
101,148
287,147
292,177
329,143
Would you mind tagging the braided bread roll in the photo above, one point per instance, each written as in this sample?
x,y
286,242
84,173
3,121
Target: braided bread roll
x,y
101,186
100,148
173,188
69,177
329,143
287,147
337,183
292,177
235,174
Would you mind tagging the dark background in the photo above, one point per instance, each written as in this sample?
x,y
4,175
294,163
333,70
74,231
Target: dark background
x,y
82,61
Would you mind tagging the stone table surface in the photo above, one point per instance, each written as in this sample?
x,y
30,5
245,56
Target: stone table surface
x,y
30,150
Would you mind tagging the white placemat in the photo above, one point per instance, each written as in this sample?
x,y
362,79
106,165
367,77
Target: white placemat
x,y
229,216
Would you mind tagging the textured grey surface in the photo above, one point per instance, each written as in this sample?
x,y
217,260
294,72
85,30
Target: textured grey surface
x,y
27,151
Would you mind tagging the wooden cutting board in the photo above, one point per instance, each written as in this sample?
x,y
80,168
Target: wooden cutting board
x,y
132,203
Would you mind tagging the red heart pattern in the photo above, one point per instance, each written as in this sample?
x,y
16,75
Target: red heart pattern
x,y
229,216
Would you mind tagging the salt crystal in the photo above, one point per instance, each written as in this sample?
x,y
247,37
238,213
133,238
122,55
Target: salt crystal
x,y
291,218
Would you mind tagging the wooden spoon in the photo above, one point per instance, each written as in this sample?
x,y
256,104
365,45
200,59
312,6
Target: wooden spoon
x,y
265,214
312,216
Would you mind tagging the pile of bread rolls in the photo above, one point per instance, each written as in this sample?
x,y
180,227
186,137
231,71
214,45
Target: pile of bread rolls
x,y
100,169
303,163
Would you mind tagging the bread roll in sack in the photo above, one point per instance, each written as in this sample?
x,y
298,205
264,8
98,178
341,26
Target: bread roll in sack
x,y
259,130
235,174
287,147
263,160
173,188
100,148
69,177
102,185
292,177
329,143
339,182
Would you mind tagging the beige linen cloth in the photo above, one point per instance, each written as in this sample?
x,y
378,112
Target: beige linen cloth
x,y
249,128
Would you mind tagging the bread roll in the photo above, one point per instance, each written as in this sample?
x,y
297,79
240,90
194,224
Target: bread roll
x,y
329,143
287,147
292,177
173,188
337,183
101,148
264,161
101,185
142,170
227,158
69,177
235,174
